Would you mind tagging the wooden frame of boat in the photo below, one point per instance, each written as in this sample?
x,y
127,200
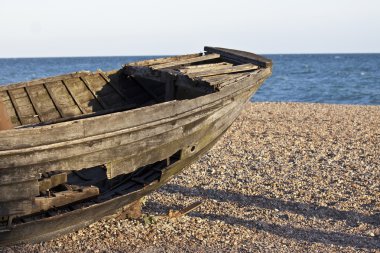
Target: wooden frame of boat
x,y
88,143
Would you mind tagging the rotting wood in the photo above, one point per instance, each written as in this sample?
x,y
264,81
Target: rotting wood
x,y
227,70
186,61
163,60
16,207
94,93
19,190
23,118
204,67
45,80
53,98
74,98
34,104
52,181
240,56
64,198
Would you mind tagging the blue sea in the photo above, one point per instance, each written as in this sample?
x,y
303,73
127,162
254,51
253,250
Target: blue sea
x,y
320,78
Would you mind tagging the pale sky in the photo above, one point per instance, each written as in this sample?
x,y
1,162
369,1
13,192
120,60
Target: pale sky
x,y
43,28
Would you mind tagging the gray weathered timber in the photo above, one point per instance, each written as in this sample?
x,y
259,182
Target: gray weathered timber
x,y
240,56
125,131
186,61
227,70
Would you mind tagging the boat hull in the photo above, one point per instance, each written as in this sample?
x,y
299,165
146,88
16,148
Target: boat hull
x,y
207,134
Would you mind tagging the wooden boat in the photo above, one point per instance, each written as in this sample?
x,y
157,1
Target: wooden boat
x,y
85,144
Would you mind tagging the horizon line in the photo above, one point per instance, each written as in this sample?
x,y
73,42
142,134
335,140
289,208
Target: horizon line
x,y
168,55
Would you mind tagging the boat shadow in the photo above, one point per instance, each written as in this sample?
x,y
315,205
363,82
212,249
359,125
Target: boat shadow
x,y
307,210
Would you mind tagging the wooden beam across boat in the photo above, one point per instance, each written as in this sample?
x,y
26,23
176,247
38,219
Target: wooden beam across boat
x,y
157,61
226,70
204,67
186,61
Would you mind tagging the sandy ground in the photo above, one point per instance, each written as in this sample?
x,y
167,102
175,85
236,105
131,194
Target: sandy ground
x,y
287,177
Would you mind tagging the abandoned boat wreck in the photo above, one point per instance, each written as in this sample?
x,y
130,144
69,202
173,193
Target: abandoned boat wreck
x,y
77,147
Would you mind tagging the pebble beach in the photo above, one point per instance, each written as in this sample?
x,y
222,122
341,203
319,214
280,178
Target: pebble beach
x,y
286,177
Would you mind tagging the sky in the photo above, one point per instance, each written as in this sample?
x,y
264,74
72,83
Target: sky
x,y
43,28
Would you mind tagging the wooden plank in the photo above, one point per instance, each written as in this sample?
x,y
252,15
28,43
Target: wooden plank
x,y
234,79
203,67
52,181
53,98
10,108
186,61
94,93
216,80
19,190
16,207
77,102
45,80
24,108
63,198
152,62
227,70
42,102
33,102
62,99
239,56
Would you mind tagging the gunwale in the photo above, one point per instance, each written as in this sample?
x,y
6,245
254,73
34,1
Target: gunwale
x,y
23,135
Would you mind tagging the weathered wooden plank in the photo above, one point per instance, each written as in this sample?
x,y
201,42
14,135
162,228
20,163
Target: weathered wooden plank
x,y
227,70
94,92
52,181
186,61
45,80
157,61
19,190
63,99
42,103
239,56
23,106
70,89
203,67
16,207
216,80
232,80
33,102
54,100
63,198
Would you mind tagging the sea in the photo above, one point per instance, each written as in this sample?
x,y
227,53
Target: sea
x,y
314,78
